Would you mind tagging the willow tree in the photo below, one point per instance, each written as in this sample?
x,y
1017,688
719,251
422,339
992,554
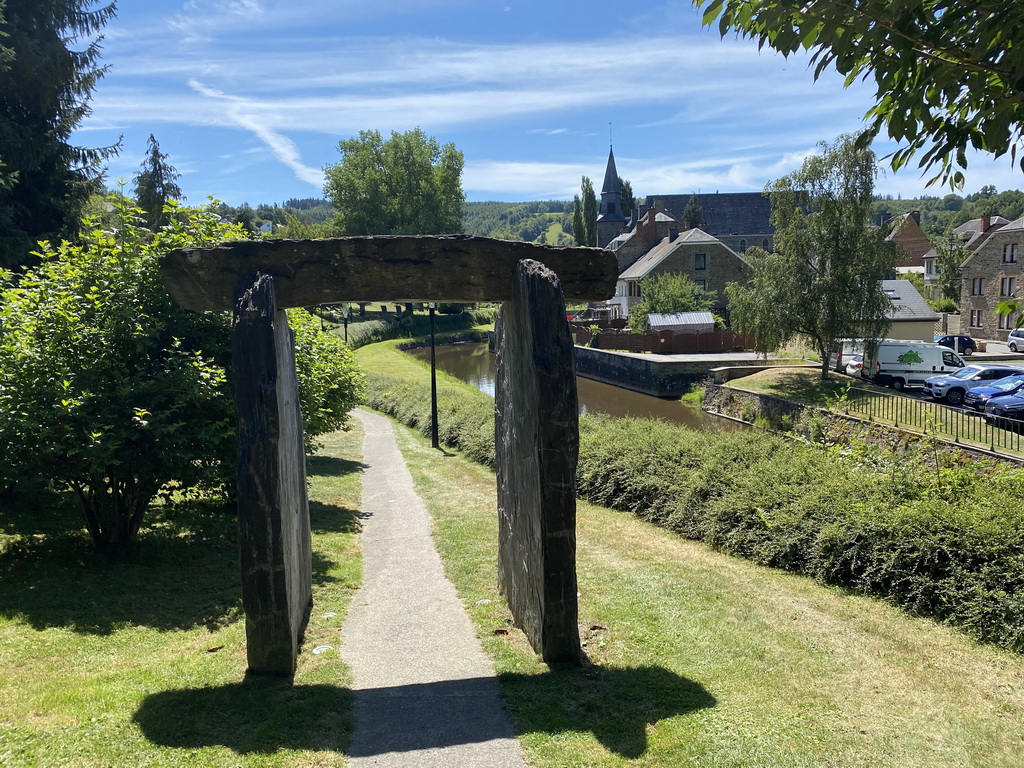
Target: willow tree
x,y
822,281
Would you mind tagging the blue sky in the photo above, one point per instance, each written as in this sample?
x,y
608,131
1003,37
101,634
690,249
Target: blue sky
x,y
249,98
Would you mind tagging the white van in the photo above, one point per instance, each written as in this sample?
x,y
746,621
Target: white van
x,y
844,351
901,364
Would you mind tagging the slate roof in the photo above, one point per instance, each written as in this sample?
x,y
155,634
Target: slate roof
x,y
664,249
907,304
971,232
727,213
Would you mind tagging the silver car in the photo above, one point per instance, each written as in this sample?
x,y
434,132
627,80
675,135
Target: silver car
x,y
952,387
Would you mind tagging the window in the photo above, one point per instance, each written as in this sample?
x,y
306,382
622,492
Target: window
x,y
1007,286
765,244
948,359
1007,322
977,318
634,288
977,286
702,284
743,245
1010,253
929,266
700,261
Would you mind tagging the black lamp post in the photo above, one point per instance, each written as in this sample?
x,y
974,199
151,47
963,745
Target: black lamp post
x,y
433,384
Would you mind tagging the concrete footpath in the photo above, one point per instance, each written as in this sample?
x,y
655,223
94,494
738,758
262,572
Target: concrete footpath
x,y
425,693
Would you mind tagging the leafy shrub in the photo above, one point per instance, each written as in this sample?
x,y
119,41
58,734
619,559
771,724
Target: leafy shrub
x,y
111,389
372,331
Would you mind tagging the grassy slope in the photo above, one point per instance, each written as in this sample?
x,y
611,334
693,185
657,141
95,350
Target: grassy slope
x,y
142,662
705,660
701,659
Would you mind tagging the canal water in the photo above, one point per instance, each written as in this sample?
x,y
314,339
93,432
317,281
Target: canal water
x,y
474,363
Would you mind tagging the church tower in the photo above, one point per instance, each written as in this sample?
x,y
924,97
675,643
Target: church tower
x,y
610,220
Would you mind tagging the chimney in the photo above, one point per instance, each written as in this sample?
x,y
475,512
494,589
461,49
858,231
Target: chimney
x,y
651,230
673,233
986,221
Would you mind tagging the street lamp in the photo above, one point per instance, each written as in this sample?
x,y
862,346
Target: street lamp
x,y
433,384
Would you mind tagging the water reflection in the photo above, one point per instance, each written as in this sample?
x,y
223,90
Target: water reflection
x,y
473,363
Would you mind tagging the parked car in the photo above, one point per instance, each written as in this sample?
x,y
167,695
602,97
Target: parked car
x,y
953,387
1006,412
965,345
1015,341
855,366
979,397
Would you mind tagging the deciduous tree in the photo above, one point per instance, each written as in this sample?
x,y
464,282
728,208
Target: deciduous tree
x,y
823,279
669,292
45,85
949,74
407,185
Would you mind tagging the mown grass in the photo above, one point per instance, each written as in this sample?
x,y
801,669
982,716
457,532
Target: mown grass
x,y
141,661
700,659
804,385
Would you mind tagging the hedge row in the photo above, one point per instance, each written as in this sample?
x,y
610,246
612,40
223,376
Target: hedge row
x,y
944,540
371,331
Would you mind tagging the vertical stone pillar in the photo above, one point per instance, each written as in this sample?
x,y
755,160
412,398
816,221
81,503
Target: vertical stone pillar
x,y
537,448
273,509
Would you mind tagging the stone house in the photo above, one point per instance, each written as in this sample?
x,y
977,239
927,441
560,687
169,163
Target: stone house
x,y
991,274
972,234
705,259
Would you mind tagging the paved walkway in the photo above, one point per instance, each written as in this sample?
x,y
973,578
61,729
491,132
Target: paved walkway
x,y
425,693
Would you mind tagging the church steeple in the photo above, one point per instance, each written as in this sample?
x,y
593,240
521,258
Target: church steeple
x,y
610,219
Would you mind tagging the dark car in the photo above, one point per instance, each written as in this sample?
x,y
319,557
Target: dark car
x,y
979,397
965,345
1006,412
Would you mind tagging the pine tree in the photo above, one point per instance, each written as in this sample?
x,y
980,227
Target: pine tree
x,y
693,214
155,184
44,92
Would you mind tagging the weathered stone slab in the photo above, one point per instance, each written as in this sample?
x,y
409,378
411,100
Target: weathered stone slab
x,y
273,510
373,269
537,448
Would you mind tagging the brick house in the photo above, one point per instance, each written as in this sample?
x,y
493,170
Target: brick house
x,y
906,232
705,259
991,274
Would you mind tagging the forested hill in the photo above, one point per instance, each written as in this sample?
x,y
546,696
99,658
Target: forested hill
x,y
941,214
545,221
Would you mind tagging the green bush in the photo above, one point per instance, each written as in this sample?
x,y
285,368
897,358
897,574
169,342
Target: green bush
x,y
371,331
934,537
111,389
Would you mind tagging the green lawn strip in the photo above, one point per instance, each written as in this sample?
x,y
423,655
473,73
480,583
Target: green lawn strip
x,y
706,660
142,661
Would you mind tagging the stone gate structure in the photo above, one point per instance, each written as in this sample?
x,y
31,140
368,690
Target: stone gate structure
x,y
536,421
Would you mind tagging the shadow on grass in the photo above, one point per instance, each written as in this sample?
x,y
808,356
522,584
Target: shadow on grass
x,y
331,466
804,385
258,715
262,715
183,571
616,705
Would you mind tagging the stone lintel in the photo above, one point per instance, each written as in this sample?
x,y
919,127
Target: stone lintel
x,y
405,268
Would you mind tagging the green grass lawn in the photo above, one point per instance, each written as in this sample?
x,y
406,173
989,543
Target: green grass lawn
x,y
700,659
142,661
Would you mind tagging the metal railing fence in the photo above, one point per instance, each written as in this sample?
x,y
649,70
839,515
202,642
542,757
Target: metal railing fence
x,y
960,426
